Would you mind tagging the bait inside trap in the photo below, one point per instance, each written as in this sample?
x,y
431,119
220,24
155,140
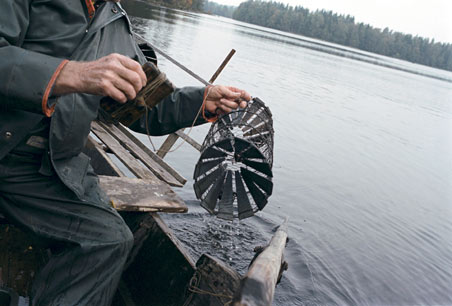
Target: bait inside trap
x,y
233,176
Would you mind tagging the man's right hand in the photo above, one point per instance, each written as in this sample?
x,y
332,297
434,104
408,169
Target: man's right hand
x,y
115,75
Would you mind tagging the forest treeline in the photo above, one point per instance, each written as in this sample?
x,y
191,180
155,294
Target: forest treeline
x,y
219,9
331,27
195,5
340,29
198,5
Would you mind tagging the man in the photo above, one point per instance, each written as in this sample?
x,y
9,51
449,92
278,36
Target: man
x,y
57,58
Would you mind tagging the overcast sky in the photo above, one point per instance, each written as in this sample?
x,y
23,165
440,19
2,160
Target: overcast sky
x,y
427,18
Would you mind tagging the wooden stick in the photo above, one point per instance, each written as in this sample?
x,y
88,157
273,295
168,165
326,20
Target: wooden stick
x,y
222,66
172,138
258,285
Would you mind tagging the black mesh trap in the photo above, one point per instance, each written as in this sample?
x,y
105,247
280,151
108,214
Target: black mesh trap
x,y
233,177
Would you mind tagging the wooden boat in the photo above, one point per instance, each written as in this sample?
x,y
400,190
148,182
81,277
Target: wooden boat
x,y
159,271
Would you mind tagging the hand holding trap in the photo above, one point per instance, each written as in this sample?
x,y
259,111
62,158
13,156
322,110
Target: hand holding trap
x,y
157,88
233,177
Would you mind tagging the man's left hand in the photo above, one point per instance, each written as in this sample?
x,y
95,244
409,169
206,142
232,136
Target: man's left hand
x,y
223,99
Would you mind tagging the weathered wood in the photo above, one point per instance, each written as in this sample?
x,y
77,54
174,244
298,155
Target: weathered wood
x,y
168,144
140,154
133,194
222,66
123,155
101,163
159,267
258,286
213,283
157,88
154,156
189,140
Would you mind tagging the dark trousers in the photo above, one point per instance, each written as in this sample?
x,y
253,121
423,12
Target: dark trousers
x,y
96,240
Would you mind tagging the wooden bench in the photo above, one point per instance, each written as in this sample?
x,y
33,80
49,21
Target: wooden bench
x,y
150,191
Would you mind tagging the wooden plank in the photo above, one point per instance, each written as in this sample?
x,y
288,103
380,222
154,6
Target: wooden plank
x,y
154,156
132,194
189,140
101,162
258,285
138,153
171,140
168,144
124,156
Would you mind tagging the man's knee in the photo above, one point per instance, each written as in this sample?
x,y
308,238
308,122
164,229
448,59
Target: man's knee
x,y
122,234
128,237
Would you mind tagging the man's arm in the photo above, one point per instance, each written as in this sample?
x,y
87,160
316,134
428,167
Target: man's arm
x,y
115,75
28,79
180,109
25,76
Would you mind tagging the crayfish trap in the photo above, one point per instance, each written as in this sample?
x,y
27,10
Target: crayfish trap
x,y
233,177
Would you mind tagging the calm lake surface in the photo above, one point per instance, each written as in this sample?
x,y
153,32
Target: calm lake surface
x,y
362,162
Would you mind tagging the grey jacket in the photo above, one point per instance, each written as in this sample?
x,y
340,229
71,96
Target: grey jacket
x,y
35,37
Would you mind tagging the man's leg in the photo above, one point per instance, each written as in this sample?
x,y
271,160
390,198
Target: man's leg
x,y
97,241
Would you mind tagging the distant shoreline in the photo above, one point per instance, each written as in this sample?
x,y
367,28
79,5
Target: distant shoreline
x,y
327,47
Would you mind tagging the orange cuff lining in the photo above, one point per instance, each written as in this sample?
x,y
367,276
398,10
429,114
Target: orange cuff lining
x,y
91,9
213,119
48,111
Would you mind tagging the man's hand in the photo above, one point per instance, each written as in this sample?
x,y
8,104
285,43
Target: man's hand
x,y
115,75
223,99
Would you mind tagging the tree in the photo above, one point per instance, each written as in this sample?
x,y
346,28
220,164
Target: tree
x,y
343,30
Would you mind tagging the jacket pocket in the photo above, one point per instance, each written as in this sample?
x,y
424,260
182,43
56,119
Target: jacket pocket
x,y
72,172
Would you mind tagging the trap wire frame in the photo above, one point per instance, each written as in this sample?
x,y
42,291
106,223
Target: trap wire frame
x,y
233,176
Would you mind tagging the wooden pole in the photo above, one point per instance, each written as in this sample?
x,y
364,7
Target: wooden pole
x,y
222,66
172,138
258,286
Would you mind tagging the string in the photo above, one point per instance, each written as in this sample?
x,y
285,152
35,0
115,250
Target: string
x,y
147,91
189,131
193,287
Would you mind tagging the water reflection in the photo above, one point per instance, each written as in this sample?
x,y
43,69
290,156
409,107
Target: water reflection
x,y
154,31
362,166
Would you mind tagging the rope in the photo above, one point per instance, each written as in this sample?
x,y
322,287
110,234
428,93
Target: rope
x,y
200,291
147,91
189,131
193,287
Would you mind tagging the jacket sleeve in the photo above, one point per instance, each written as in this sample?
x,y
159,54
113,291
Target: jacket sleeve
x,y
177,111
26,77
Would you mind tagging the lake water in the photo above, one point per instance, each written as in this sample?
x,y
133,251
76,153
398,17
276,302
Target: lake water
x,y
362,162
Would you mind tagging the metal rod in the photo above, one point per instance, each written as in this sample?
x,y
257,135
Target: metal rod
x,y
174,61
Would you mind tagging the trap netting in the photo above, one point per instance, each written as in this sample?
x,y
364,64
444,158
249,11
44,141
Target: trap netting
x,y
233,176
